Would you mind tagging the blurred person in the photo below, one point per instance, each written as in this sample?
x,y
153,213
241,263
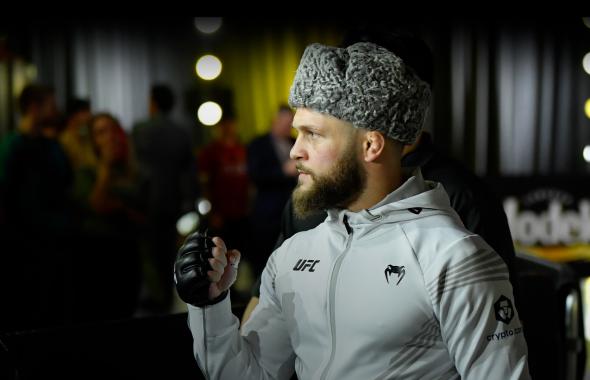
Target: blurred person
x,y
167,170
75,138
391,284
114,165
35,182
274,174
109,195
222,168
38,111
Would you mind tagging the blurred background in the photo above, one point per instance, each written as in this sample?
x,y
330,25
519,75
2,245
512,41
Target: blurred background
x,y
119,137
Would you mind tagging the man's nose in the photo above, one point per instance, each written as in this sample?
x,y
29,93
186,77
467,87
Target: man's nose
x,y
298,151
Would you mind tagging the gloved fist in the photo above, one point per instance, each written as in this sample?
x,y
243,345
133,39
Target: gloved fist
x,y
201,272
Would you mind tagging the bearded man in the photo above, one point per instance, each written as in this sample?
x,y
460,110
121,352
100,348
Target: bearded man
x,y
391,284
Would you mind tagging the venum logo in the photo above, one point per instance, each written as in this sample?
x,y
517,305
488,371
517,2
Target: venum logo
x,y
303,265
392,269
504,310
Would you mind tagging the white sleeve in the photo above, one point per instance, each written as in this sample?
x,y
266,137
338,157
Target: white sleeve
x,y
261,351
474,303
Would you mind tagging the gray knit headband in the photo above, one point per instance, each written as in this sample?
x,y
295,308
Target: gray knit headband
x,y
364,84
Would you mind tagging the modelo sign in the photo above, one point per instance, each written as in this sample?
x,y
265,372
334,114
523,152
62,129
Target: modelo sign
x,y
548,217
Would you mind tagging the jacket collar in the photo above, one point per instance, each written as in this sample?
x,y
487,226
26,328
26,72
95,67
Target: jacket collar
x,y
414,185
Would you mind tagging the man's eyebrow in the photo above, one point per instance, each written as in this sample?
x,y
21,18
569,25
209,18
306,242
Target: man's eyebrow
x,y
306,127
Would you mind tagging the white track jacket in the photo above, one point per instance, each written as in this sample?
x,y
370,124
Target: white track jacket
x,y
398,291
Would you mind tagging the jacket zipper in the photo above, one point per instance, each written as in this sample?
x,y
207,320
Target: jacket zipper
x,y
206,365
332,296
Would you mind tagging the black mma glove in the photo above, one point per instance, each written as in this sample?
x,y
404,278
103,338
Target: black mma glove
x,y
190,270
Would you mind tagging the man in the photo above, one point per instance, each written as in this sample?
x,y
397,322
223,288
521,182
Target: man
x,y
479,209
35,181
168,172
391,284
36,174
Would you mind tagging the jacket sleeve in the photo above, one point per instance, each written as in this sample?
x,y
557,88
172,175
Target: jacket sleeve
x,y
262,350
474,303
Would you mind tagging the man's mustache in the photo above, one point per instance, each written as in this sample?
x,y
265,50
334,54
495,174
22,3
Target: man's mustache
x,y
303,169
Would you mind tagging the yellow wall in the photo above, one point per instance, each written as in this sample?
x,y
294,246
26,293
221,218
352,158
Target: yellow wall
x,y
259,68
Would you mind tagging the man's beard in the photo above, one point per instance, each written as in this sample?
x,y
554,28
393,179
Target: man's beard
x,y
337,189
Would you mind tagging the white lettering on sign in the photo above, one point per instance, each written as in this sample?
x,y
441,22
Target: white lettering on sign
x,y
551,227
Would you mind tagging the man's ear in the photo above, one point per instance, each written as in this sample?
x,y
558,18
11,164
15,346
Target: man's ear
x,y
373,145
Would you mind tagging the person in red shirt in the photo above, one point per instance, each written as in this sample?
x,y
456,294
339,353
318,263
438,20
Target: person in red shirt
x,y
223,173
